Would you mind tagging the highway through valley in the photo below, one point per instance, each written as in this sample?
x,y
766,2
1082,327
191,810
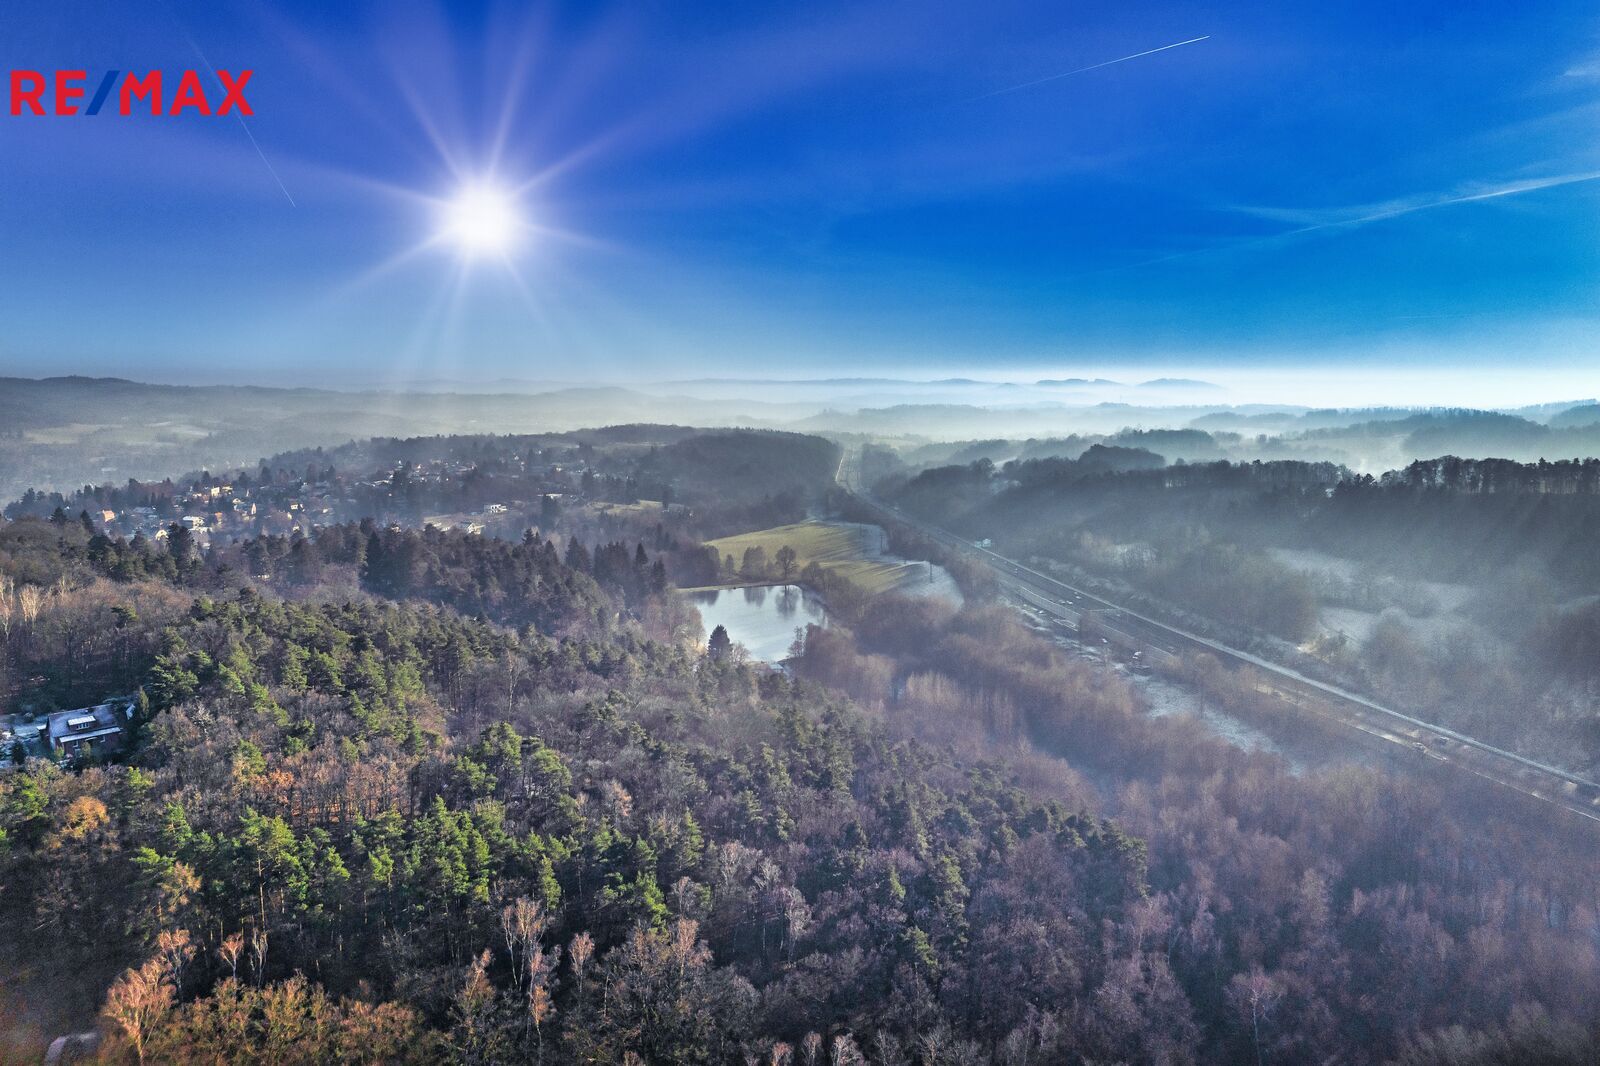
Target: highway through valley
x,y
1160,641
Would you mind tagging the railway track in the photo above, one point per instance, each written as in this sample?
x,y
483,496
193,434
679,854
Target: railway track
x,y
1435,744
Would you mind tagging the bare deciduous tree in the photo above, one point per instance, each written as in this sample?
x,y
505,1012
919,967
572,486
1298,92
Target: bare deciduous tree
x,y
523,924
141,997
1253,998
258,952
30,598
230,952
137,1000
8,606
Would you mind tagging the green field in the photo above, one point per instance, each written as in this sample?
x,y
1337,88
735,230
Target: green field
x,y
843,549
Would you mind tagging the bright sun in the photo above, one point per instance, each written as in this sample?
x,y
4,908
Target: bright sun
x,y
482,221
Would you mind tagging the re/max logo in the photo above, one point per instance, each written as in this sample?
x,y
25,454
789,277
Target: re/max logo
x,y
30,91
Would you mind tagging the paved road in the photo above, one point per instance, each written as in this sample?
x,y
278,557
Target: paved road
x,y
1423,740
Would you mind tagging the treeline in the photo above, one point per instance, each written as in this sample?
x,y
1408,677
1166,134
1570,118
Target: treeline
x,y
1179,445
1165,531
1127,470
743,464
134,494
1099,473
1507,513
1510,513
1488,475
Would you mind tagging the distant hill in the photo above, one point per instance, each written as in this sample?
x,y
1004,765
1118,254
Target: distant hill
x,y
1582,415
1177,383
72,431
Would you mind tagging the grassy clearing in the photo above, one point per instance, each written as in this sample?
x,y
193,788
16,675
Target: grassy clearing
x,y
843,549
637,507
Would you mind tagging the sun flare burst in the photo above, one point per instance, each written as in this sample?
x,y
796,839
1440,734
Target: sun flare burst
x,y
482,220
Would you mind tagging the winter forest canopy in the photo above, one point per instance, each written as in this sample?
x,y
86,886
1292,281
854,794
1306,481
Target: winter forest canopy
x,y
417,794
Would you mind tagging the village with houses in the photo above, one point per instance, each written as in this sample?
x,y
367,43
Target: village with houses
x,y
206,510
499,495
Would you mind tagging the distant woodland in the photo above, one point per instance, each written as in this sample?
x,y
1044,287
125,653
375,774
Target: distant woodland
x,y
1513,661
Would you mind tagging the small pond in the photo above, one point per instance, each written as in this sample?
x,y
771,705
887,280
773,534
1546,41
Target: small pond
x,y
762,617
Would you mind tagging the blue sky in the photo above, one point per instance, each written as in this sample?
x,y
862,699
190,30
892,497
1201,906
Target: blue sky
x,y
823,188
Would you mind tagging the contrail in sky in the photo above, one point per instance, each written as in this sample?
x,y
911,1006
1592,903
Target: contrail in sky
x,y
1094,66
238,114
246,126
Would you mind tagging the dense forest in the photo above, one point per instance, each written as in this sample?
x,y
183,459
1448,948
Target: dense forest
x,y
423,796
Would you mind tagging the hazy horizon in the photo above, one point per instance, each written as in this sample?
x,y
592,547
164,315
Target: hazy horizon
x,y
1348,387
